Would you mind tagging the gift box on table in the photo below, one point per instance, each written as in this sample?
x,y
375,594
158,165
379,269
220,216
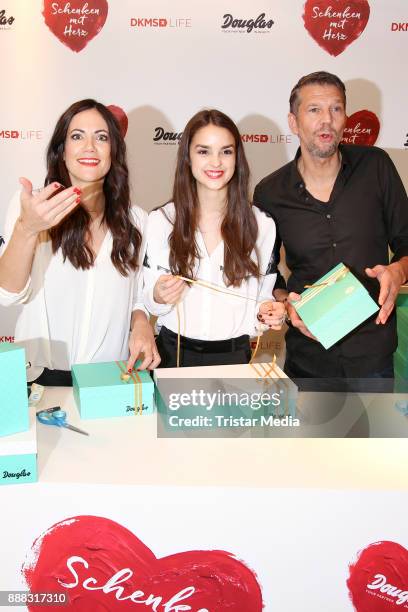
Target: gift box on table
x,y
13,389
254,389
18,456
104,390
335,305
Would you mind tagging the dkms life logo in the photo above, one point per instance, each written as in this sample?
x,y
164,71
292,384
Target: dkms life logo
x,y
21,134
258,25
160,22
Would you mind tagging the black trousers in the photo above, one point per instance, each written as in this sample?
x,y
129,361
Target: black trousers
x,y
54,378
201,352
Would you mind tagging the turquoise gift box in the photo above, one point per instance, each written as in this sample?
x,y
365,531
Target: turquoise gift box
x,y
18,456
103,390
335,305
13,389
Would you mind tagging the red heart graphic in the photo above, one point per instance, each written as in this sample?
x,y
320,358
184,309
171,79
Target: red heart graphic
x,y
378,581
99,564
335,24
76,22
362,128
121,116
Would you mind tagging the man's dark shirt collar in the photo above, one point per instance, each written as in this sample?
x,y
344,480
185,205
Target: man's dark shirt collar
x,y
296,178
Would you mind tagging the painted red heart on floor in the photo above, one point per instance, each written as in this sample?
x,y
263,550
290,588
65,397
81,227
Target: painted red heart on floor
x,y
378,581
98,563
362,128
121,116
76,22
335,24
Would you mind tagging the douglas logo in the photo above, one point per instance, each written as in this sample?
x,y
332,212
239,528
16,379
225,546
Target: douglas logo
x,y
384,589
17,475
167,138
260,24
132,408
380,583
5,21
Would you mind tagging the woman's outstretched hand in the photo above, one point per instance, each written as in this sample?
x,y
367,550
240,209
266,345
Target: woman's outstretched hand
x,y
41,210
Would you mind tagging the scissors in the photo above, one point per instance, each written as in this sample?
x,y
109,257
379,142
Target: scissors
x,y
56,416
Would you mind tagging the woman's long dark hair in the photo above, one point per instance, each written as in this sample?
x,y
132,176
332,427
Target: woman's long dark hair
x,y
239,228
71,234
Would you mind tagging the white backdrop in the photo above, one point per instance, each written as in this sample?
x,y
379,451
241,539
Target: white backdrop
x,y
161,62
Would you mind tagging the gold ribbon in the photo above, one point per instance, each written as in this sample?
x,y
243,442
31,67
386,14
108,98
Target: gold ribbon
x,y
215,288
266,374
137,382
335,277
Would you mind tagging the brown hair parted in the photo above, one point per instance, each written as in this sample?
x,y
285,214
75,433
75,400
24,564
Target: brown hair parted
x,y
239,228
71,234
315,78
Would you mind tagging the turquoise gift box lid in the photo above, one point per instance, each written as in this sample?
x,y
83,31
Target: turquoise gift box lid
x,y
13,389
101,392
335,305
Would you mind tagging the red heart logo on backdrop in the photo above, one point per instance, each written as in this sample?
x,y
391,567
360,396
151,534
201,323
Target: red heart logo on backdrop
x,y
121,116
335,24
100,565
378,581
77,22
362,128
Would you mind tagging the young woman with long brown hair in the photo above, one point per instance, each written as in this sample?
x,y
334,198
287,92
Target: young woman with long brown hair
x,y
73,253
210,232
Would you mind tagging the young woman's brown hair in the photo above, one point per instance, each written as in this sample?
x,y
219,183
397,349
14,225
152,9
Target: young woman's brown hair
x,y
71,234
239,228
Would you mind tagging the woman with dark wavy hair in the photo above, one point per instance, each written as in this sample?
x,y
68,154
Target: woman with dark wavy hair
x,y
211,233
73,253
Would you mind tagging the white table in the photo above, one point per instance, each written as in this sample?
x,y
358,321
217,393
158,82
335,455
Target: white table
x,y
127,451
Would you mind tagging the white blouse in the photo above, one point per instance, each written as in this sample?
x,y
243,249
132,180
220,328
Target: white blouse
x,y
206,314
74,316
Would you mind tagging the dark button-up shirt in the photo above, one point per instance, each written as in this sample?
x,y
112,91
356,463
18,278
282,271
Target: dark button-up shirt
x,y
367,213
